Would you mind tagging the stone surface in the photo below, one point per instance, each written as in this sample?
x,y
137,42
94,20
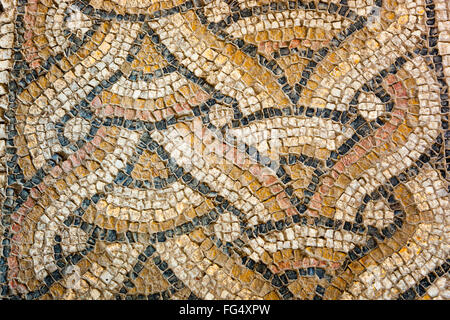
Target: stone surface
x,y
214,150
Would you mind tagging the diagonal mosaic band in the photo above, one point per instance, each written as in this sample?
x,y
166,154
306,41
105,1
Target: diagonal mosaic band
x,y
244,149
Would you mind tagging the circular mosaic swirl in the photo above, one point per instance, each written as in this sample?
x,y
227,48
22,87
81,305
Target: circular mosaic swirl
x,y
226,150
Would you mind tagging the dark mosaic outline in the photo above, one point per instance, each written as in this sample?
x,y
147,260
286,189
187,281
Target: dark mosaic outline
x,y
86,9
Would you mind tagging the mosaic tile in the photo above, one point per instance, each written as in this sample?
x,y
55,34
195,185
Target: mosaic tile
x,y
215,149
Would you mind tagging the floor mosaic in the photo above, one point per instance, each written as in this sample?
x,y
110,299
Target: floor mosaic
x,y
224,149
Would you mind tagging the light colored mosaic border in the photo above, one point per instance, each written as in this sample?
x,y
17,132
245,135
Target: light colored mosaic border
x,y
443,19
